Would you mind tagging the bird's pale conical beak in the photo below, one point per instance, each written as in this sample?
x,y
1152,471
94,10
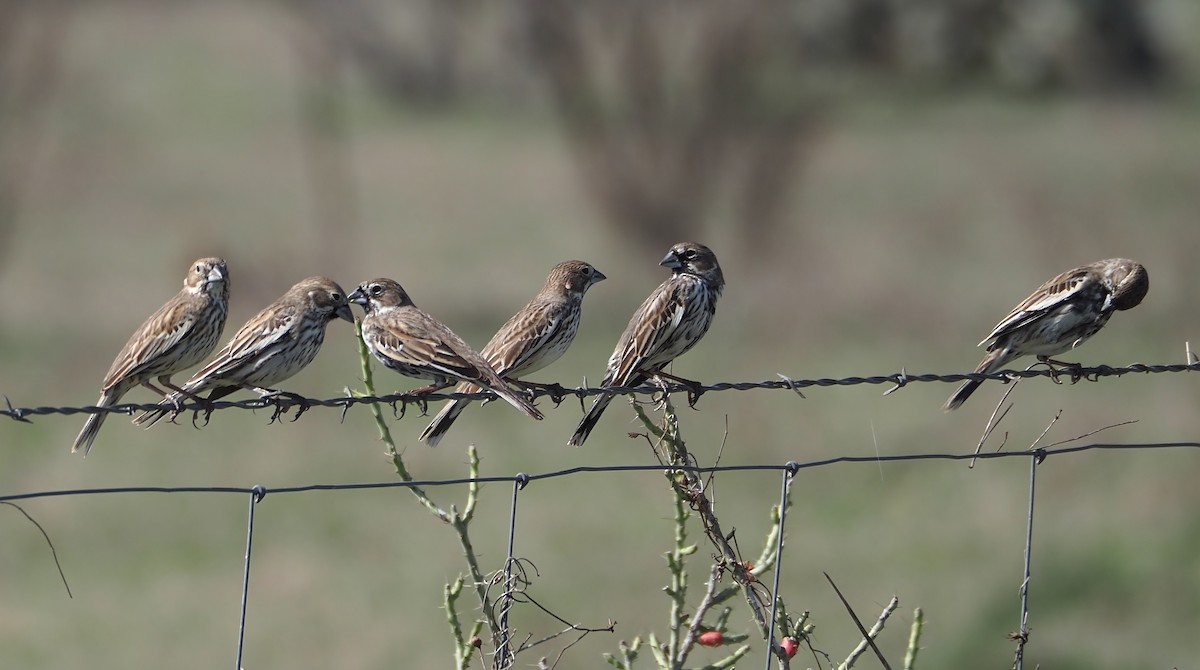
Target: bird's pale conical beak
x,y
358,297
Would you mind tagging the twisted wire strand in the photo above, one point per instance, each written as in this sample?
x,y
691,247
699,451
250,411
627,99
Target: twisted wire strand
x,y
401,401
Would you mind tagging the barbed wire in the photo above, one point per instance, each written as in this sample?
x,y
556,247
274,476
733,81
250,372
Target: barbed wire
x,y
400,402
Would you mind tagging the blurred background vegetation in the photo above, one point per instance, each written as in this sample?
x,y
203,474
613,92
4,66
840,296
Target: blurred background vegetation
x,y
881,179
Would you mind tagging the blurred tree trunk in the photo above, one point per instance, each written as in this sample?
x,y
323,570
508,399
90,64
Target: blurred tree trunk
x,y
670,105
870,32
423,71
1125,48
973,29
326,141
31,47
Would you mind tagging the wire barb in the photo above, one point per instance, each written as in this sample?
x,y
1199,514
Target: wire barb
x,y
14,413
791,384
901,382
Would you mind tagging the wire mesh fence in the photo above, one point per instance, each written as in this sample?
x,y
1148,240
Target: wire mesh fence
x,y
771,644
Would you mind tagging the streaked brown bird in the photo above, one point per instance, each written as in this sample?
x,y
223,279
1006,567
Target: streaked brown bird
x,y
536,336
1060,315
671,320
411,342
274,345
176,337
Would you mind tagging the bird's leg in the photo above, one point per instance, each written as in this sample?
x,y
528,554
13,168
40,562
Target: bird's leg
x,y
175,402
695,389
283,401
421,392
659,399
207,405
399,407
553,389
176,399
1058,367
428,388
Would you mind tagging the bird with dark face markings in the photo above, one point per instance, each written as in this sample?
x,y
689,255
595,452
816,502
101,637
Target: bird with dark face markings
x,y
409,341
176,337
274,345
1059,316
536,336
671,320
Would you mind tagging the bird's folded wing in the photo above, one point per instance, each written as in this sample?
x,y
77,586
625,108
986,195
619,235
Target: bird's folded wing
x,y
523,336
264,331
651,327
161,331
423,347
1048,296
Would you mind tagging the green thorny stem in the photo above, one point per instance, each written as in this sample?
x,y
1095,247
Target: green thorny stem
x,y
690,495
464,650
914,640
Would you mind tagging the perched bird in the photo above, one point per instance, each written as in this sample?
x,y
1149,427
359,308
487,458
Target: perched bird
x,y
176,337
671,320
276,344
411,342
536,336
1060,315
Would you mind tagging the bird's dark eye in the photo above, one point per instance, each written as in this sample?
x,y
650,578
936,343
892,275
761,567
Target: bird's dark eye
x,y
376,289
199,268
337,297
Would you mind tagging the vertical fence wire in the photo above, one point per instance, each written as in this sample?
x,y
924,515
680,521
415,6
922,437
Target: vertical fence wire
x,y
256,495
503,651
789,470
1022,635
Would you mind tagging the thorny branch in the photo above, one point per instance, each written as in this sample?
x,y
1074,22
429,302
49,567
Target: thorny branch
x,y
690,489
459,521
518,580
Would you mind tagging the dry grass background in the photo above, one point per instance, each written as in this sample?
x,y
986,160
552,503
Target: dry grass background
x,y
918,223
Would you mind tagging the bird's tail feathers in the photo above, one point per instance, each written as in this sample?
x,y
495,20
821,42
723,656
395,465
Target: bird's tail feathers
x,y
153,416
589,420
92,426
441,423
994,360
517,399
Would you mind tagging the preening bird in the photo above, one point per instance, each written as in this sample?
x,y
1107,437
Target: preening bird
x,y
1059,316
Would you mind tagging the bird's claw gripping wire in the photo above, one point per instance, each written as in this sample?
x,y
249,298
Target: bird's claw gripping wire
x,y
284,401
1058,368
553,390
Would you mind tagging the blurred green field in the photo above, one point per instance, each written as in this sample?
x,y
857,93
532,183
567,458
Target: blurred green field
x,y
917,225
